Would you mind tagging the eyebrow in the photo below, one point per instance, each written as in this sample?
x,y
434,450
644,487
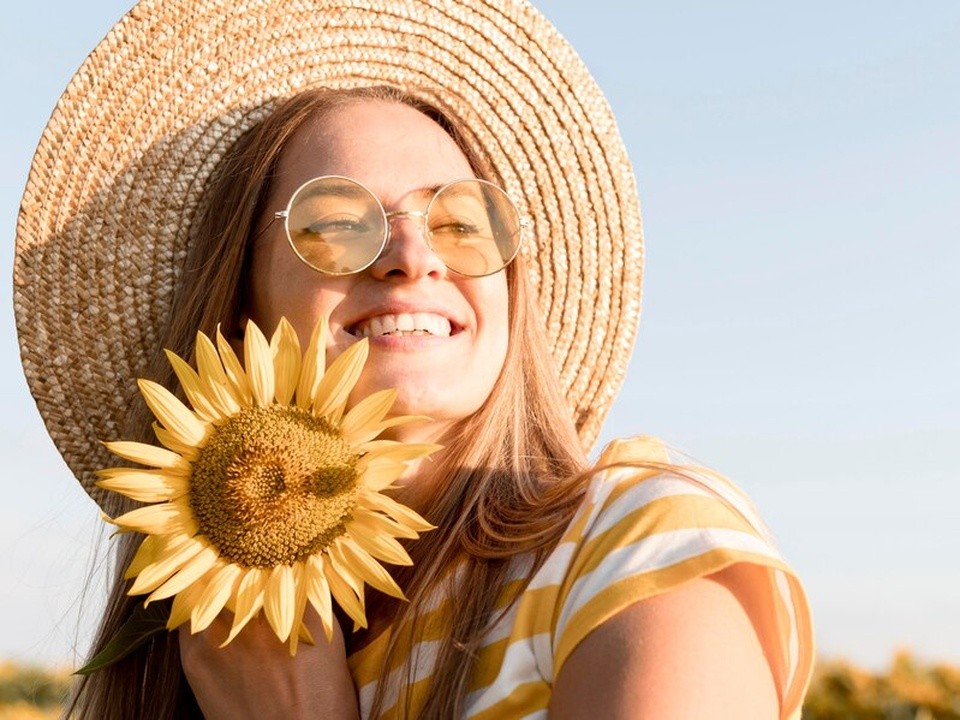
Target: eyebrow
x,y
346,190
352,191
430,191
426,192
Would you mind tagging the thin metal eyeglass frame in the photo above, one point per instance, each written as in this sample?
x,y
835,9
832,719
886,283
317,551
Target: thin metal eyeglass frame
x,y
522,223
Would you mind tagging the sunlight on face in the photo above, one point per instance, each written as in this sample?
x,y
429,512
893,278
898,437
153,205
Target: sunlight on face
x,y
437,337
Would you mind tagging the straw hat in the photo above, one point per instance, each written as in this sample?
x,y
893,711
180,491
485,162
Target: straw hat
x,y
120,167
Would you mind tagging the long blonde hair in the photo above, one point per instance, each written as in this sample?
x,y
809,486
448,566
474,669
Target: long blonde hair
x,y
510,481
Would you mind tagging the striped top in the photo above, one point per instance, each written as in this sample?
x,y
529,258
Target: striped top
x,y
638,533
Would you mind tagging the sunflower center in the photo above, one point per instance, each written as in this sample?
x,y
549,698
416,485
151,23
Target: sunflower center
x,y
273,485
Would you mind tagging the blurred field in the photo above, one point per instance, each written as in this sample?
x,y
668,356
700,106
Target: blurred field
x,y
908,690
31,692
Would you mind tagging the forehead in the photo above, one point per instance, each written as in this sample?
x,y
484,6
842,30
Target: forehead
x,y
391,148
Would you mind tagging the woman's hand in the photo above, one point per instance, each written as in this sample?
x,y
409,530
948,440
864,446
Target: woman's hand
x,y
255,677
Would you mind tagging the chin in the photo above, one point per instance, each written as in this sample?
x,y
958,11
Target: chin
x,y
443,406
414,401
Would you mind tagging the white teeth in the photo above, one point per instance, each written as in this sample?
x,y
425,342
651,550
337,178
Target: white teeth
x,y
405,324
373,328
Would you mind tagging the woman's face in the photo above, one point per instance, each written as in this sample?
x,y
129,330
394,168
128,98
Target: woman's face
x,y
402,156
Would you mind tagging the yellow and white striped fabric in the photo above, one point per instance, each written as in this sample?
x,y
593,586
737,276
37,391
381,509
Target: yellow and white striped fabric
x,y
639,533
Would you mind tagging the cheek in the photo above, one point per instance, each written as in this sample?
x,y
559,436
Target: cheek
x,y
495,316
281,286
265,284
502,332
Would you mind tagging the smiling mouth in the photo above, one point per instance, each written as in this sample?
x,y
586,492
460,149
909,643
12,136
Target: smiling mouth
x,y
412,324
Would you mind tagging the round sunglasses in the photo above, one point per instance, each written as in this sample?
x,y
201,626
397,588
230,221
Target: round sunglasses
x,y
338,226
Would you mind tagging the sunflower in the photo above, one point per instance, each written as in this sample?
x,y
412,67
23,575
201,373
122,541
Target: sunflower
x,y
267,495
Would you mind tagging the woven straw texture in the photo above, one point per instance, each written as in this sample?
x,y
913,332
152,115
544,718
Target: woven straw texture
x,y
120,167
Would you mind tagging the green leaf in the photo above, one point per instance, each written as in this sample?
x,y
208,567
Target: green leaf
x,y
143,623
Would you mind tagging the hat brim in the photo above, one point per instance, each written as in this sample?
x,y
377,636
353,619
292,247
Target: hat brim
x,y
119,170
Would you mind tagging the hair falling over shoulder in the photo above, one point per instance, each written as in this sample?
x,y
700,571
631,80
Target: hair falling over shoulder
x,y
509,481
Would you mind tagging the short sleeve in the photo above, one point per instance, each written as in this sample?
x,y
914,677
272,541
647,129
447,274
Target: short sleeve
x,y
650,523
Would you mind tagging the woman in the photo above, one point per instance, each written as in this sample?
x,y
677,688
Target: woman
x,y
547,587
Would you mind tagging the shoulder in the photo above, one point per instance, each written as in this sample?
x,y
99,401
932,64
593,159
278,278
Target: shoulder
x,y
649,509
691,651
657,532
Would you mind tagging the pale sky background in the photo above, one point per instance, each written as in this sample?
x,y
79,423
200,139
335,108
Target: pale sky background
x,y
799,169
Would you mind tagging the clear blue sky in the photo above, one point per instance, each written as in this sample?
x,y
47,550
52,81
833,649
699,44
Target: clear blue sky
x,y
799,169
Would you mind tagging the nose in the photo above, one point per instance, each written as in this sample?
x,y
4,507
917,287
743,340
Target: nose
x,y
408,254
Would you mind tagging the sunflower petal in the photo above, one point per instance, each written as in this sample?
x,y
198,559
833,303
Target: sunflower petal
x,y
192,386
336,563
209,366
285,346
312,367
278,601
159,519
148,486
172,442
360,424
363,565
318,593
192,571
183,605
173,414
375,430
249,600
305,635
147,553
347,597
299,605
381,546
376,446
234,371
339,380
377,476
153,549
149,455
402,420
397,511
159,571
396,451
383,524
258,361
218,388
214,597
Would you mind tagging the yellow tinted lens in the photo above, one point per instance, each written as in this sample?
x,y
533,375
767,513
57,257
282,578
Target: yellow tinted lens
x,y
336,226
474,227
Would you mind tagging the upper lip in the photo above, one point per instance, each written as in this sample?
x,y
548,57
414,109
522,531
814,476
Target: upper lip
x,y
399,307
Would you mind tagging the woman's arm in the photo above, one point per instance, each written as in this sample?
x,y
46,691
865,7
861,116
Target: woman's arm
x,y
693,652
255,677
